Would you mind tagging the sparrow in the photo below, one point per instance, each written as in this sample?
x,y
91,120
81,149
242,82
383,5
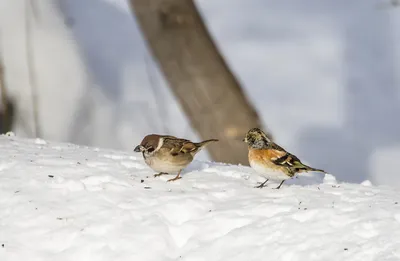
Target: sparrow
x,y
271,160
168,154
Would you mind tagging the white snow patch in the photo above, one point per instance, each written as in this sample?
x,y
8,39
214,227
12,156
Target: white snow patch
x,y
10,134
366,183
40,141
66,202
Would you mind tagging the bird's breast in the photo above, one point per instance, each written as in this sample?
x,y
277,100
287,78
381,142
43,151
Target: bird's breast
x,y
166,164
265,167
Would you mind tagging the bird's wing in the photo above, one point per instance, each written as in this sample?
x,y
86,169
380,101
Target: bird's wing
x,y
281,157
188,147
289,161
274,154
177,146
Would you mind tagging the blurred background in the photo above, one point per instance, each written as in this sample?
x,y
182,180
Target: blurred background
x,y
323,76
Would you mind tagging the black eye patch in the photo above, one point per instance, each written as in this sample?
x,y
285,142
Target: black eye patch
x,y
150,149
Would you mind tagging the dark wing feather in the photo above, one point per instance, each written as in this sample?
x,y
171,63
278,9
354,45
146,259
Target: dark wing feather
x,y
287,159
177,146
291,162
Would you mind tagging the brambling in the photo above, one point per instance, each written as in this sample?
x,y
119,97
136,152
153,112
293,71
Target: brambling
x,y
271,160
168,154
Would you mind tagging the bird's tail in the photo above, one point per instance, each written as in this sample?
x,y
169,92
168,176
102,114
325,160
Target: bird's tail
x,y
304,168
205,143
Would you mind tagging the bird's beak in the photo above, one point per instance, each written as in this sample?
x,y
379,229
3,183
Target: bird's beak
x,y
244,140
139,148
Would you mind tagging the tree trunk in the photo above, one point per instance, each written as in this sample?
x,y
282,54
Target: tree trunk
x,y
6,106
209,94
3,104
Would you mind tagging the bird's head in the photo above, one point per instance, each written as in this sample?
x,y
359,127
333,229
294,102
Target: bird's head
x,y
149,144
256,138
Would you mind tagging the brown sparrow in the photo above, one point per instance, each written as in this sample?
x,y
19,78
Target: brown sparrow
x,y
168,154
271,160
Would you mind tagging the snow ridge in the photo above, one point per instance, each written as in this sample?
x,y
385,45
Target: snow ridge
x,y
68,202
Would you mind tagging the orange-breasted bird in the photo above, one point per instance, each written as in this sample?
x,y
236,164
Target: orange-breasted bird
x,y
271,160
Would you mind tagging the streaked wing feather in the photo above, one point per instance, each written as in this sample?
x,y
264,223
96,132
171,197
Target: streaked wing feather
x,y
178,145
289,161
188,147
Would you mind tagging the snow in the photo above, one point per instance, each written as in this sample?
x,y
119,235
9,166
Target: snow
x,y
327,66
62,201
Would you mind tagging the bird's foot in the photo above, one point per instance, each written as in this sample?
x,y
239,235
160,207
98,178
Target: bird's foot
x,y
160,174
278,187
176,178
262,184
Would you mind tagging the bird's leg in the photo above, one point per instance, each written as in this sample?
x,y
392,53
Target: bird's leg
x,y
176,178
262,184
160,174
278,187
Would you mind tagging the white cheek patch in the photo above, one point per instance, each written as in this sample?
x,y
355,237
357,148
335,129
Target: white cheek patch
x,y
147,154
160,143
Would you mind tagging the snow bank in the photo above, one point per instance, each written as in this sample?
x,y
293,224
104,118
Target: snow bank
x,y
67,202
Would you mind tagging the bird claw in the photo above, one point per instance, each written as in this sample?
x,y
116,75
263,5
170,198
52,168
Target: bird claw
x,y
262,184
280,185
159,174
176,178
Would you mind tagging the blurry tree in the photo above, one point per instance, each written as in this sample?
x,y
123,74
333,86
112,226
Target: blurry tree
x,y
199,77
31,17
388,4
395,2
6,106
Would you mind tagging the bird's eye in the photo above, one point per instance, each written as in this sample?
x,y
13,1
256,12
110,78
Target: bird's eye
x,y
151,149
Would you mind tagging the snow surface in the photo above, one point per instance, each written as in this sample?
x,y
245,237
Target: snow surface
x,y
330,67
67,202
